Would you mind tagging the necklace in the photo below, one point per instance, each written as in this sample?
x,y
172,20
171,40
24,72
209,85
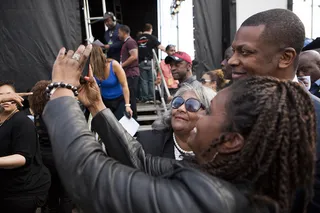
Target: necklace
x,y
179,148
11,114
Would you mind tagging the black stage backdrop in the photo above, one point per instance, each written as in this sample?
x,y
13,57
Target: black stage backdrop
x,y
31,34
207,35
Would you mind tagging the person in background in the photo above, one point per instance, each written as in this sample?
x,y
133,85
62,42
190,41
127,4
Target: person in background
x,y
309,65
112,81
258,53
166,70
214,80
24,180
58,199
181,68
114,44
139,33
129,62
171,131
226,68
146,43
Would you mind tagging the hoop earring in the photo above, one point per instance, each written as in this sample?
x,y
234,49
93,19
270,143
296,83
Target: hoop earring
x,y
214,157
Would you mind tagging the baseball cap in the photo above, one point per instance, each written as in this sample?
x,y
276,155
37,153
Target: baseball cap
x,y
178,57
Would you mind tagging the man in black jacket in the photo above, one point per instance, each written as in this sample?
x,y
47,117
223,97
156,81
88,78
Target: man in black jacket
x,y
268,44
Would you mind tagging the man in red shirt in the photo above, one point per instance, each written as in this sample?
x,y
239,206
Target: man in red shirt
x,y
129,62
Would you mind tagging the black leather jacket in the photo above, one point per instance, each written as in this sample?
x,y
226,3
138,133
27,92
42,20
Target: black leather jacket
x,y
100,183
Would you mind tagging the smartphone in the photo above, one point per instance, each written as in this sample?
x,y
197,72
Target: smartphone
x,y
85,71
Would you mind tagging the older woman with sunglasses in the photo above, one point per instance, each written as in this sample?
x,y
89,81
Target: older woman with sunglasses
x,y
171,131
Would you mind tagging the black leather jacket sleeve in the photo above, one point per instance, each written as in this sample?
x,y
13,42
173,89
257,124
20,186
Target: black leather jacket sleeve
x,y
121,146
98,183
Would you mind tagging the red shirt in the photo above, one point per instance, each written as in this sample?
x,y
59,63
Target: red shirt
x,y
132,70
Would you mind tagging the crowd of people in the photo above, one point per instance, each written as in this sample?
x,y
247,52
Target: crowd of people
x,y
244,138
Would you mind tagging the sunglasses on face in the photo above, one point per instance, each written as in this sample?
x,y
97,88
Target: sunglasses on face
x,y
203,81
191,104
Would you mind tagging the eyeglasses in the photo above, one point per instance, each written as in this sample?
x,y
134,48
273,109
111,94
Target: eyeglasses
x,y
203,81
191,104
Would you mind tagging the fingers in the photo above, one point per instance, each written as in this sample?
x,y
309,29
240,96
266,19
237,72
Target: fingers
x,y
23,94
61,53
18,101
90,74
85,55
11,98
90,77
80,50
70,53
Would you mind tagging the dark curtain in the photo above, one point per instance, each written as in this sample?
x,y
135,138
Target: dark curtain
x,y
207,35
31,34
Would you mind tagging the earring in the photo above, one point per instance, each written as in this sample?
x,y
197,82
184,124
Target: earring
x,y
214,157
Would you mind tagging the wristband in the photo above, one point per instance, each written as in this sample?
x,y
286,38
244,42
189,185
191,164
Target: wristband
x,y
51,88
128,105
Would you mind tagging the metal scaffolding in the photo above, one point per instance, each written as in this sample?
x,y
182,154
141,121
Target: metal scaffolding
x,y
88,19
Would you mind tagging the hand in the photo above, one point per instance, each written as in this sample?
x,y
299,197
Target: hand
x,y
158,81
129,111
170,99
67,69
107,46
89,94
16,97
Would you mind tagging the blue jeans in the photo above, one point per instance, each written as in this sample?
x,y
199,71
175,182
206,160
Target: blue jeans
x,y
146,81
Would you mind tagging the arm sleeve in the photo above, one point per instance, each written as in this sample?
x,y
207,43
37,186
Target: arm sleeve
x,y
132,44
123,147
24,137
156,42
98,183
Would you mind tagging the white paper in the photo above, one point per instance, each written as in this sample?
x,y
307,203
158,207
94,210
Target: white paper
x,y
98,43
130,125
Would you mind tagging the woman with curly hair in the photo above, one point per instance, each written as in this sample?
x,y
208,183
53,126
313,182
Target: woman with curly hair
x,y
58,199
214,80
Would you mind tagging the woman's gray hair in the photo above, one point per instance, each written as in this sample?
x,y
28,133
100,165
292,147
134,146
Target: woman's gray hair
x,y
203,94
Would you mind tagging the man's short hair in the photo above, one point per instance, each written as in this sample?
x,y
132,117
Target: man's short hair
x,y
282,28
170,46
147,27
125,28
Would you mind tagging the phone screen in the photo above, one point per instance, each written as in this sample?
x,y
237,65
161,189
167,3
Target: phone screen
x,y
85,71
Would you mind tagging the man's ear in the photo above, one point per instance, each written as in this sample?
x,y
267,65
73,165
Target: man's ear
x,y
234,142
287,58
189,66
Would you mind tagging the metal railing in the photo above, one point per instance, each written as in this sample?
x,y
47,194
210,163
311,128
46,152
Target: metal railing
x,y
163,86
